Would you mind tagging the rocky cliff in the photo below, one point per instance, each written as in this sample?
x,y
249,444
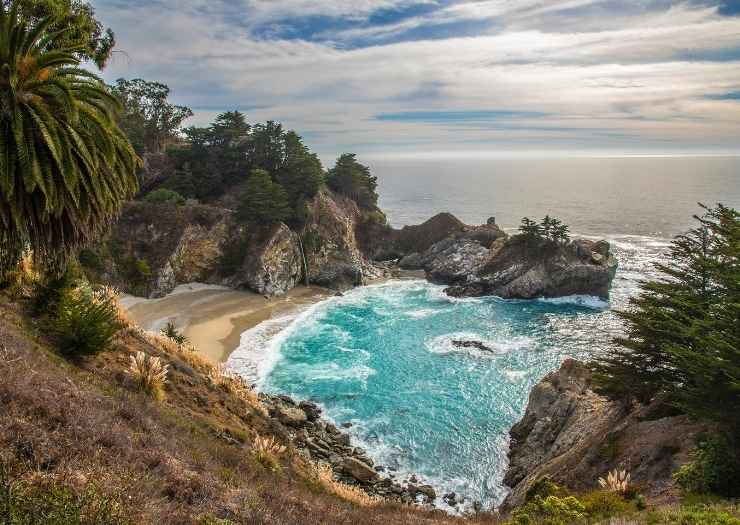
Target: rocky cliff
x,y
155,247
574,436
483,260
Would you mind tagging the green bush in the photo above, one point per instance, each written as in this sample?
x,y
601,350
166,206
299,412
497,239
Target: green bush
x,y
602,504
164,196
715,469
700,515
86,322
543,488
49,291
171,332
53,504
551,510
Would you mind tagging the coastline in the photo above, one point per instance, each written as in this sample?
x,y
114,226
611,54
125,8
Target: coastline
x,y
212,317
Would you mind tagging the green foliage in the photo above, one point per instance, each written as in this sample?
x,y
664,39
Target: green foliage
x,y
352,179
164,196
549,228
90,260
264,202
136,272
530,229
85,323
602,504
48,292
65,166
148,119
171,332
552,510
714,470
682,332
49,503
692,515
543,487
74,26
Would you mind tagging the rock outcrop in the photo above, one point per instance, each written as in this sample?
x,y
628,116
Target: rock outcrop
x,y
322,442
273,263
334,258
518,268
574,436
155,247
483,260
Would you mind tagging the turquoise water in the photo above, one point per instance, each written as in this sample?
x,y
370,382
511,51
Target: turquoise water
x,y
382,359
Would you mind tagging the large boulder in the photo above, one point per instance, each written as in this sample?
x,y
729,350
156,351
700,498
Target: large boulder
x,y
272,265
525,269
333,256
359,470
574,436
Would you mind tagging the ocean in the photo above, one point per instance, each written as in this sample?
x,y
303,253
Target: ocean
x,y
382,358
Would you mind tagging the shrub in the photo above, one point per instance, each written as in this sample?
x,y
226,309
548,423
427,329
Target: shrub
x,y
551,510
694,515
544,487
171,332
49,503
267,451
616,481
164,196
86,321
149,373
715,469
603,504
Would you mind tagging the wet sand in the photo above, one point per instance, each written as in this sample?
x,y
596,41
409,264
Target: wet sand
x,y
213,318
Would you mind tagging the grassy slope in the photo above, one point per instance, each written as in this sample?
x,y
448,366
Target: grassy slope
x,y
185,459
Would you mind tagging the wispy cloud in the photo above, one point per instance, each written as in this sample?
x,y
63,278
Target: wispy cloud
x,y
389,75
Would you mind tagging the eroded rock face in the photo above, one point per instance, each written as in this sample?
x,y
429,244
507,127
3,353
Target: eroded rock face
x,y
515,268
574,436
272,265
333,257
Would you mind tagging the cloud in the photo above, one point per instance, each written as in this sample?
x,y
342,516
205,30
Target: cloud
x,y
631,74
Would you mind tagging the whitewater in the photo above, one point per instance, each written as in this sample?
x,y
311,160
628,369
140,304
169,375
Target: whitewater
x,y
383,360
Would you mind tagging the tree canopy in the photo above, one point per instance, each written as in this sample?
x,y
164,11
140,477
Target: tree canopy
x,y
149,120
74,27
65,166
682,337
352,179
264,202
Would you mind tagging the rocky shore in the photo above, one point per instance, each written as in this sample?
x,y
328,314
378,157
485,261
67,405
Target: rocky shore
x,y
322,442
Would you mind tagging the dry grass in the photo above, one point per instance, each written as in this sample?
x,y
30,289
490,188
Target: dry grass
x,y
356,495
149,373
267,452
616,481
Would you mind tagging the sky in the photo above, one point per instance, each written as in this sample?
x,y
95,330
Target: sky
x,y
406,78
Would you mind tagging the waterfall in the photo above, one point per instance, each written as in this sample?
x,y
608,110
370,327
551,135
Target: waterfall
x,y
303,255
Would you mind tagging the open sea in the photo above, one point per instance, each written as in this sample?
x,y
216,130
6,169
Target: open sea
x,y
381,357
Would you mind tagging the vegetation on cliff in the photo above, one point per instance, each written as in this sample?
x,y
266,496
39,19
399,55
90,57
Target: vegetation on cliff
x,y
683,336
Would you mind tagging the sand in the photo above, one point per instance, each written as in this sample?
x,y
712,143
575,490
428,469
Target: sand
x,y
213,318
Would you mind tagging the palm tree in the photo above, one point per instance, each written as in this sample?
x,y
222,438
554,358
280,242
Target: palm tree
x,y
65,166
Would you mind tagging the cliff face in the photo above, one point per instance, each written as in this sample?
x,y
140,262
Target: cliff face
x,y
574,436
483,260
155,247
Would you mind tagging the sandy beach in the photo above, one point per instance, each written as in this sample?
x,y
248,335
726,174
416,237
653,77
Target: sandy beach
x,y
213,318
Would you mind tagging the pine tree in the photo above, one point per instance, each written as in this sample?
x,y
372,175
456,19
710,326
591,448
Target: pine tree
x,y
530,228
264,202
682,332
546,226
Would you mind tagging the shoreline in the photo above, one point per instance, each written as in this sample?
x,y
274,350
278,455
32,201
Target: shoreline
x,y
213,318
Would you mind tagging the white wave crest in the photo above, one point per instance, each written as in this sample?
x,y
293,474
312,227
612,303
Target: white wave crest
x,y
589,301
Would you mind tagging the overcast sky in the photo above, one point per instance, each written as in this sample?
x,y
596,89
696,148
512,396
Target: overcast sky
x,y
437,77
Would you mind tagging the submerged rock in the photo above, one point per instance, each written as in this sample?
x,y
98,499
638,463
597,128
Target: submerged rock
x,y
472,344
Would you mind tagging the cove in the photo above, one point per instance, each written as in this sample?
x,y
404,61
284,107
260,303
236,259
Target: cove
x,y
430,385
